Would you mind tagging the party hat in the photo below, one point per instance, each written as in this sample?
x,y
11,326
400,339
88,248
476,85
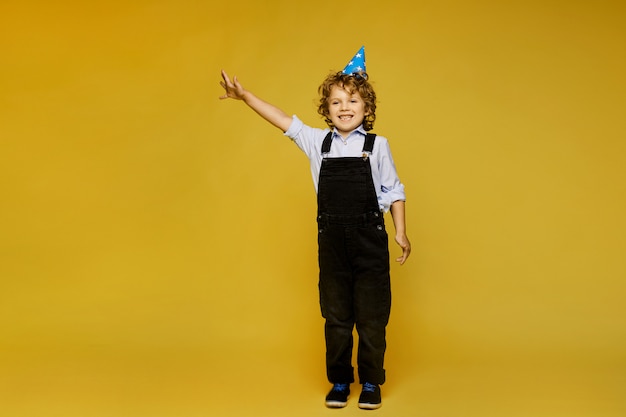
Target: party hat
x,y
356,64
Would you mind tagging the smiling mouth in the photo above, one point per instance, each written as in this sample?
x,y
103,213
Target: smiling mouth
x,y
345,117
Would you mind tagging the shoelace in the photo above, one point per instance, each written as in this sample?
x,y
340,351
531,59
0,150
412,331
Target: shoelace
x,y
367,387
340,387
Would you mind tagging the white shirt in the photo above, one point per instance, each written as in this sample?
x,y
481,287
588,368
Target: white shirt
x,y
388,186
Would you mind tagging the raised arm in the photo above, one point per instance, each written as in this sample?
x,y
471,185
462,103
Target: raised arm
x,y
269,112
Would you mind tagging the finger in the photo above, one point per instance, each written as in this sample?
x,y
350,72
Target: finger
x,y
227,82
225,77
406,251
225,96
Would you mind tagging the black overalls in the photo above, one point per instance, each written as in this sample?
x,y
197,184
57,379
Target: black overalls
x,y
354,279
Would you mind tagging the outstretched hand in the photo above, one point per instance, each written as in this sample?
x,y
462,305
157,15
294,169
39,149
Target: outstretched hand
x,y
232,88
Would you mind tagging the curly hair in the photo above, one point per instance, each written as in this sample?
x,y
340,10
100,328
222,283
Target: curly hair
x,y
352,84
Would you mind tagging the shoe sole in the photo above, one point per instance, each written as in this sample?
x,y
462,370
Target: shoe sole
x,y
368,406
336,404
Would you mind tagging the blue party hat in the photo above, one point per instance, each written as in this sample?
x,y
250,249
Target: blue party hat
x,y
356,64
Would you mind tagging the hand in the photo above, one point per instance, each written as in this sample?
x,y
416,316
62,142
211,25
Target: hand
x,y
233,89
404,243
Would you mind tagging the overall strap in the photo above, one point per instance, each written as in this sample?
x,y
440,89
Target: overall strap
x,y
328,140
368,146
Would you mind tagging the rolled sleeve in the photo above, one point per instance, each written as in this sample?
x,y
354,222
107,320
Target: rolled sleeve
x,y
390,196
307,138
294,128
391,189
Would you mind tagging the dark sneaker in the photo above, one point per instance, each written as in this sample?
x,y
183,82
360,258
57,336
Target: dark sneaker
x,y
338,396
370,397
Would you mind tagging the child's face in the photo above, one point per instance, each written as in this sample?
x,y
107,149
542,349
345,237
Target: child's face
x,y
346,110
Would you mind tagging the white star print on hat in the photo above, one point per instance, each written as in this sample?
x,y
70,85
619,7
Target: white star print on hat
x,y
356,64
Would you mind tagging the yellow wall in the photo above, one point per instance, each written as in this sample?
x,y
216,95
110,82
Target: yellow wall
x,y
146,225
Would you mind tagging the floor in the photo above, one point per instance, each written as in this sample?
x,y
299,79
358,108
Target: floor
x,y
99,382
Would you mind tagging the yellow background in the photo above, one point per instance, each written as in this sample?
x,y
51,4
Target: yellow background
x,y
158,245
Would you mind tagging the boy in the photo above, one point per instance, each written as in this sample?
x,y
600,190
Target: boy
x,y
356,181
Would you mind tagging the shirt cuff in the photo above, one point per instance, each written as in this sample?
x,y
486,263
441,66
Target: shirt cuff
x,y
391,196
294,128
